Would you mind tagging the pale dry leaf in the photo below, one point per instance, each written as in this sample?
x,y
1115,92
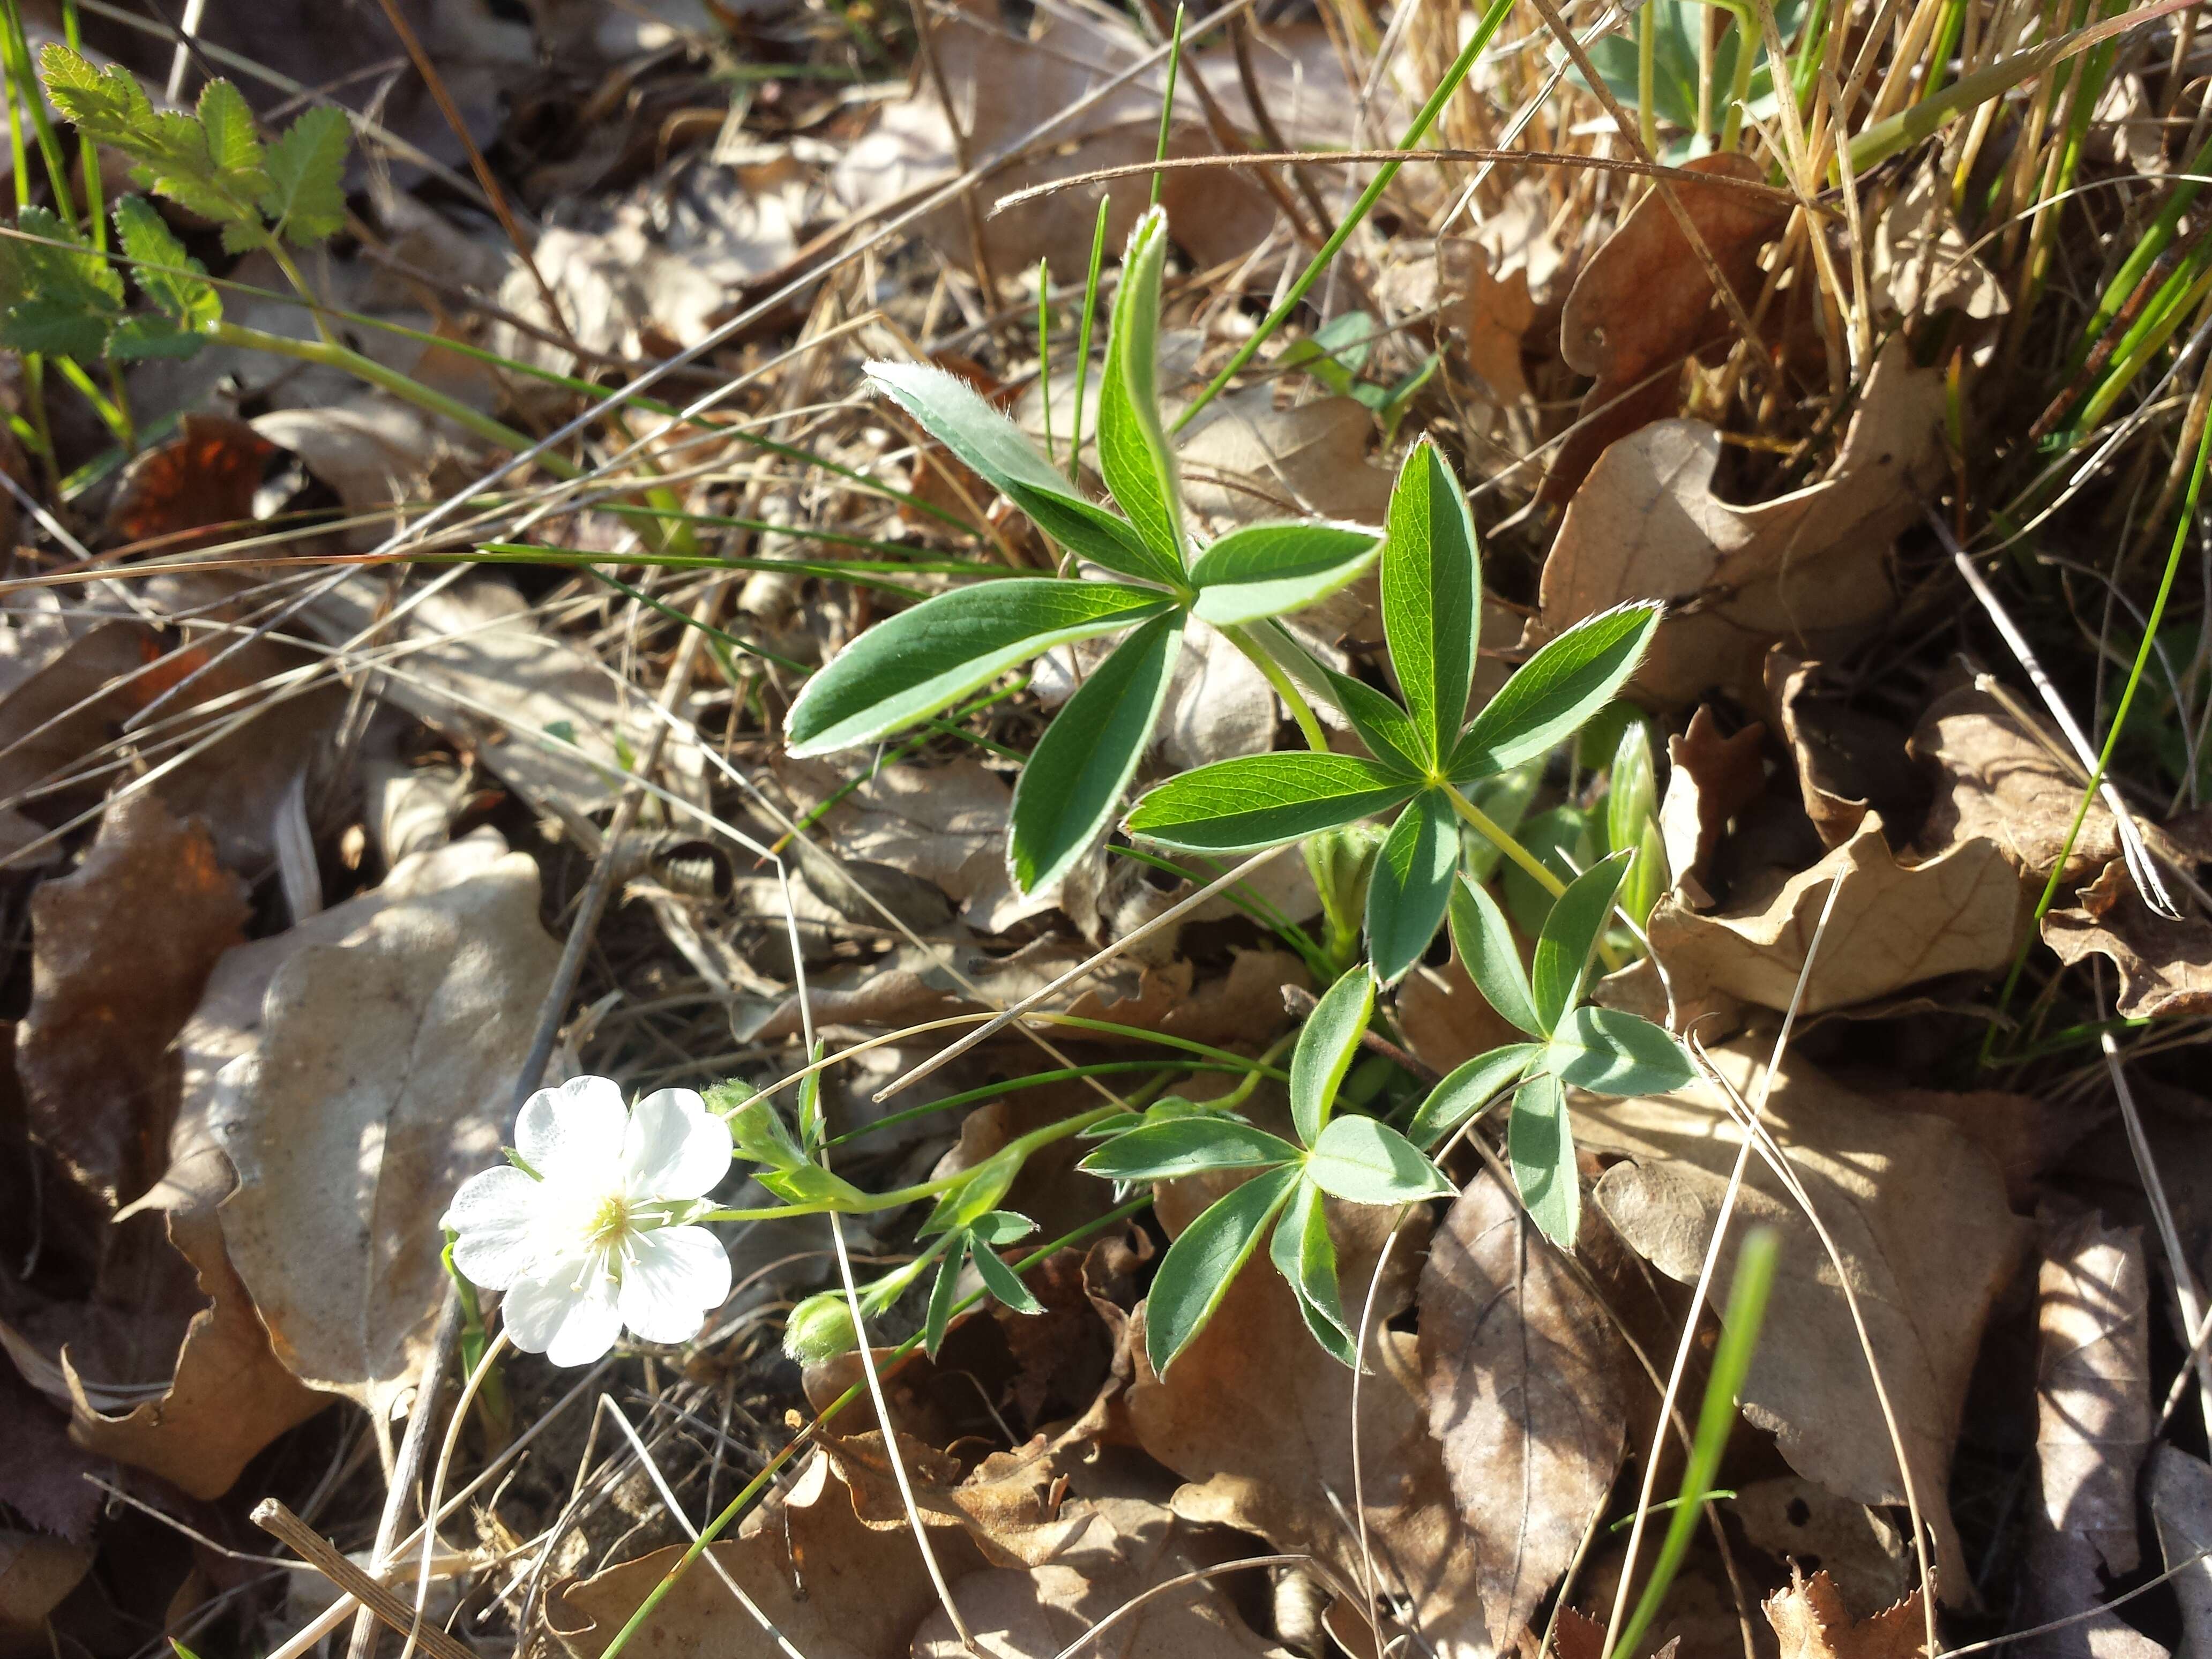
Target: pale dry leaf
x,y
2181,1508
230,1397
1259,1423
1921,263
1491,313
1127,1547
35,1573
72,694
1446,1020
1808,568
42,1473
1008,1504
2092,1382
1849,759
374,451
2165,966
1645,301
1523,1375
1894,925
1996,779
384,1075
1802,1524
1710,779
1245,459
2061,1581
1810,1621
121,948
1918,1214
833,1586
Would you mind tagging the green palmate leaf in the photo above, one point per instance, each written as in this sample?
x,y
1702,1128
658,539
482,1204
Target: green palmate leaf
x,y
1411,886
990,444
1001,1281
174,281
306,198
1540,1145
56,295
977,1194
1074,779
1484,942
909,666
1385,728
1609,1052
1261,800
1468,1090
1188,1146
1431,595
1196,1272
1270,570
1325,1047
1306,1257
1556,690
1571,933
1134,456
1370,1162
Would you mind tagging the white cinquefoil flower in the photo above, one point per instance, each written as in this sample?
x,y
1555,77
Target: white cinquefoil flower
x,y
590,1234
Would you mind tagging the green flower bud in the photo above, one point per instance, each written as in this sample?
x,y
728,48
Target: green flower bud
x,y
1340,861
819,1329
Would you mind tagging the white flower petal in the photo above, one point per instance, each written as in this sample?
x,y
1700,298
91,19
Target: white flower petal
x,y
570,1315
496,1213
573,1131
675,1277
674,1147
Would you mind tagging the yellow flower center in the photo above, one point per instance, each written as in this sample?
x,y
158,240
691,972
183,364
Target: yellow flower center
x,y
610,1221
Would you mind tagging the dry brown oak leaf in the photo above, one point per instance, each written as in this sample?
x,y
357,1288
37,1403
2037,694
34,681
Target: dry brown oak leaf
x,y
2165,966
1523,1375
1259,1419
1710,779
1811,1622
1893,925
1998,777
1917,1211
1808,569
2092,1382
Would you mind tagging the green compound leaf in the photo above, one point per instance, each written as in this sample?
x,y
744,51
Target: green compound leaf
x,y
1188,1146
1196,1272
1304,1254
1484,941
306,198
235,160
1540,1145
1468,1089
1067,794
1370,1162
57,295
1325,1050
1272,569
991,445
1262,801
1552,694
1431,596
908,667
1609,1052
1133,457
1411,884
188,303
1571,933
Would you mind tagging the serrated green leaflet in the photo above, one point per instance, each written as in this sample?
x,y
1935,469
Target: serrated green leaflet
x,y
1370,1162
233,148
1200,1266
61,299
909,666
1431,596
1188,1146
1566,681
1571,933
1411,884
996,450
1133,457
1467,1089
1270,570
1540,1145
1484,941
306,198
1261,800
1610,1051
1075,776
160,267
1304,1254
1325,1050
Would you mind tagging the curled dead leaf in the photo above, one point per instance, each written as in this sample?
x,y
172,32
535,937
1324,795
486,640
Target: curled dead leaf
x,y
2165,966
1811,1622
2092,1382
1712,779
1998,777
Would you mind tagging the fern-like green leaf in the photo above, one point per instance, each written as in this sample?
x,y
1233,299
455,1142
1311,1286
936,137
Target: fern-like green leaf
x,y
56,295
209,162
186,304
306,198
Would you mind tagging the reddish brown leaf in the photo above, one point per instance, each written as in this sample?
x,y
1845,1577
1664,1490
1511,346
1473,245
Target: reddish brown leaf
x,y
203,480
